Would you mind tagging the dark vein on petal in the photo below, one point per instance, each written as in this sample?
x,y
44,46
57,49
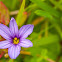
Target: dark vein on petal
x,y
5,32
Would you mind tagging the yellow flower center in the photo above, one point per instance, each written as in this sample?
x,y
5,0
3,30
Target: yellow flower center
x,y
15,40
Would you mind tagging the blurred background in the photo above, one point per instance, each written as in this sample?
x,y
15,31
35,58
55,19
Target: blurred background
x,y
46,16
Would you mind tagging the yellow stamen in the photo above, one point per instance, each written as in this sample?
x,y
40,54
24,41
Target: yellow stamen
x,y
15,40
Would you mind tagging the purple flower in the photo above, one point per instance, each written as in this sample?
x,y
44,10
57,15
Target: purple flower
x,y
15,39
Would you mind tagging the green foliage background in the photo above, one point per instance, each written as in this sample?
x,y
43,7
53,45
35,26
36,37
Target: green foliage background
x,y
47,34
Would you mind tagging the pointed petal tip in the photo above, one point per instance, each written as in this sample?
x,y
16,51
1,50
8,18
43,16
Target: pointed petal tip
x,y
12,18
13,27
14,51
32,25
13,57
5,44
26,30
31,45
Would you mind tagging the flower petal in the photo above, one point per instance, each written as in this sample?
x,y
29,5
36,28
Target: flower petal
x,y
13,27
25,43
5,32
25,30
14,51
5,44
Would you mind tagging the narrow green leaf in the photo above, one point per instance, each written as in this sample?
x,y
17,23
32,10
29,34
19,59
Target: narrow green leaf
x,y
31,7
46,7
14,4
20,14
43,13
